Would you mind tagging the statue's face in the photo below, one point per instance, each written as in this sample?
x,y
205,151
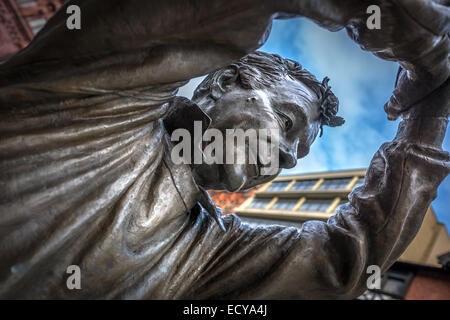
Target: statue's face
x,y
290,106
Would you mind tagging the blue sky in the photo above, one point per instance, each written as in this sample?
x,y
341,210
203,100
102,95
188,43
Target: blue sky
x,y
361,81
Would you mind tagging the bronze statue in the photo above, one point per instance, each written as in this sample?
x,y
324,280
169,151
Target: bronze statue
x,y
86,175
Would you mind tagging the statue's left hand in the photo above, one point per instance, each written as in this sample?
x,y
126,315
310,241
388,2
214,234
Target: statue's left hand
x,y
414,33
411,32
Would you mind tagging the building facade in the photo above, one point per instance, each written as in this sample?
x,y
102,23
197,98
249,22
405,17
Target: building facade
x,y
292,200
20,20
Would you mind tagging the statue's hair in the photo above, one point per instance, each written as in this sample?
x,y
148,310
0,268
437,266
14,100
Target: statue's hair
x,y
259,69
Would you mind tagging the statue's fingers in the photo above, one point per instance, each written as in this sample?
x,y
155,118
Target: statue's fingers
x,y
434,15
418,77
412,88
409,92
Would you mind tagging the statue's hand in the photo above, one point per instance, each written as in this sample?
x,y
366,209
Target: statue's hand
x,y
414,33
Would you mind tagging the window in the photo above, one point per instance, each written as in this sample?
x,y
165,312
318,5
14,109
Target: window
x,y
360,182
285,204
36,24
278,185
394,285
343,201
334,184
304,185
316,205
25,2
260,203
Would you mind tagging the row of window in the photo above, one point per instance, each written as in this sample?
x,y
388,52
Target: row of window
x,y
290,203
327,184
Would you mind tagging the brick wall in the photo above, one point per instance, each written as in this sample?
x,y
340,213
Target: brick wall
x,y
429,285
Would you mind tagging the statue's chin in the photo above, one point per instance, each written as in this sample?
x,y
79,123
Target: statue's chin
x,y
239,177
232,178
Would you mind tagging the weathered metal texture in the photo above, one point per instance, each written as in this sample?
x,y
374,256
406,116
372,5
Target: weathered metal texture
x,y
86,176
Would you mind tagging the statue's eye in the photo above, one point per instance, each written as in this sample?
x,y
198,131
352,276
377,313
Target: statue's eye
x,y
285,121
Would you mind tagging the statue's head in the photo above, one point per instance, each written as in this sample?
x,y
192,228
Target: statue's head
x,y
262,91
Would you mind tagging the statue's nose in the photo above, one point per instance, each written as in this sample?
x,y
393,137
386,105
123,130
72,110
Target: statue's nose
x,y
288,158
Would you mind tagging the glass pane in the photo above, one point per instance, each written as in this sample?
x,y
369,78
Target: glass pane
x,y
334,184
36,24
316,205
260,203
24,2
360,182
343,201
285,204
279,185
394,286
304,185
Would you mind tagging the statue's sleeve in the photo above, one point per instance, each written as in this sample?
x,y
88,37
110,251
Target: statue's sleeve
x,y
330,259
125,45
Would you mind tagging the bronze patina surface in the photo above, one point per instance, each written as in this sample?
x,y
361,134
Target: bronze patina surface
x,y
86,176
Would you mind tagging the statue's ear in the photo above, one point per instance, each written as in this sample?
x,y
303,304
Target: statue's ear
x,y
222,80
182,113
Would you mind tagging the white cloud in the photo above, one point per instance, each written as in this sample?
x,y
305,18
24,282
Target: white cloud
x,y
316,161
188,89
362,83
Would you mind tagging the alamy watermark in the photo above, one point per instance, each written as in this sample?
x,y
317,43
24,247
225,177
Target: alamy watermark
x,y
374,20
74,280
73,22
258,147
374,280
